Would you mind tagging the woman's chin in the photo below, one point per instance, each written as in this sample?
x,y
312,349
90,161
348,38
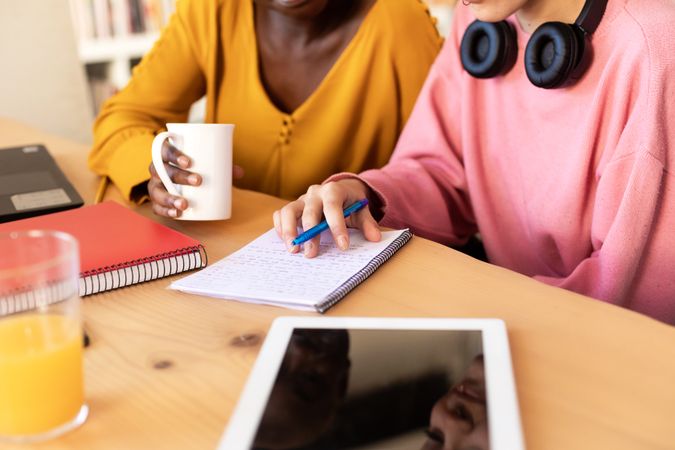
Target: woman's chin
x,y
489,12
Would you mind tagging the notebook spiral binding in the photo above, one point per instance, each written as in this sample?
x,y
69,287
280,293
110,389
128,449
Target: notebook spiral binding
x,y
20,300
364,273
105,279
140,270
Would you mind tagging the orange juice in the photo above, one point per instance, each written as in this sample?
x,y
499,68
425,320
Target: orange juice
x,y
41,382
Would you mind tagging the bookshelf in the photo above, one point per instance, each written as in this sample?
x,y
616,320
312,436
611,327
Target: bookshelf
x,y
119,52
113,35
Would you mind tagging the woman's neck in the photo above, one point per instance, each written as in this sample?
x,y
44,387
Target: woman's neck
x,y
292,31
536,12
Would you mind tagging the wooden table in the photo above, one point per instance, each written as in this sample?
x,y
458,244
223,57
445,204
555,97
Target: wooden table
x,y
165,369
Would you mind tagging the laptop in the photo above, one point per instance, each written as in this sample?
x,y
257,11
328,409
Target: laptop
x,y
379,383
31,184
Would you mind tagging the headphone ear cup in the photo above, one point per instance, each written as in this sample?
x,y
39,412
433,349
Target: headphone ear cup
x,y
552,53
489,49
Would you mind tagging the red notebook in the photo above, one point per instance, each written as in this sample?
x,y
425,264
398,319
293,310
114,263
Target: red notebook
x,y
119,247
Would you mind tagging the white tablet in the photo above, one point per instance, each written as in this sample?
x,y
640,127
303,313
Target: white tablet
x,y
379,383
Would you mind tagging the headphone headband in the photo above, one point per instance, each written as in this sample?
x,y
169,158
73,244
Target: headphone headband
x,y
591,15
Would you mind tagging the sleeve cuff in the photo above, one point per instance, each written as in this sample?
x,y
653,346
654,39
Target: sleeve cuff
x,y
129,165
377,202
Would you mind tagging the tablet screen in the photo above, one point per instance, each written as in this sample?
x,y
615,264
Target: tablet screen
x,y
378,388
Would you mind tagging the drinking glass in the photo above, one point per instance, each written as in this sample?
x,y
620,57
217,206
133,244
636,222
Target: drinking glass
x,y
41,373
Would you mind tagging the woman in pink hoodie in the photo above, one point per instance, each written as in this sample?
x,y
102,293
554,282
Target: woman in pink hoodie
x,y
550,130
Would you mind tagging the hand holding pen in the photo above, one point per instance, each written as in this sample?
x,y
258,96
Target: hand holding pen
x,y
342,205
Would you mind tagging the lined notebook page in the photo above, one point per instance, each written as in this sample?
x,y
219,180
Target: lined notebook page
x,y
265,272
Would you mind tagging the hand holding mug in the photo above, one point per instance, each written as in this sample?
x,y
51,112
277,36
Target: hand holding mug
x,y
175,164
191,172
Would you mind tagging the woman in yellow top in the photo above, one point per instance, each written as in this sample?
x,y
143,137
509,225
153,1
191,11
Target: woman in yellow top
x,y
314,87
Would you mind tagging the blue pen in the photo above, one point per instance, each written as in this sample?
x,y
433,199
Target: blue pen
x,y
315,231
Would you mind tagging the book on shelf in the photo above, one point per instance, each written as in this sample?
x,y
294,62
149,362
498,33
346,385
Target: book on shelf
x,y
104,19
118,248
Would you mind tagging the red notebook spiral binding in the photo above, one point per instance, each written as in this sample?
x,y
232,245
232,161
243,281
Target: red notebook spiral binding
x,y
118,248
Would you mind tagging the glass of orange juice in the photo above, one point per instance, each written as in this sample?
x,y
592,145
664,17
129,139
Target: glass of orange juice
x,y
41,373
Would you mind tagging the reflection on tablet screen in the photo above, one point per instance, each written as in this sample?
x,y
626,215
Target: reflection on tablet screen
x,y
372,389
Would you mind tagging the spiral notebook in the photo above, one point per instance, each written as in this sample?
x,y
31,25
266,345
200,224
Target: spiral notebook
x,y
118,248
265,272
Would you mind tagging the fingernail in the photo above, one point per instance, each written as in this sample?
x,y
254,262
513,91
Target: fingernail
x,y
173,213
289,244
342,243
193,179
309,246
178,203
183,161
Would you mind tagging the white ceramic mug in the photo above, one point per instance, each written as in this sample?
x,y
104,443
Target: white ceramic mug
x,y
209,146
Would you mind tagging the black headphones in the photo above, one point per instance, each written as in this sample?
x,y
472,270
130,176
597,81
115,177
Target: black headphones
x,y
555,49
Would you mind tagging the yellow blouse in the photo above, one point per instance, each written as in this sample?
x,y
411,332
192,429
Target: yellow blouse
x,y
349,123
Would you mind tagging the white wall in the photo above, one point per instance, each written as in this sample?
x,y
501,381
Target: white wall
x,y
42,82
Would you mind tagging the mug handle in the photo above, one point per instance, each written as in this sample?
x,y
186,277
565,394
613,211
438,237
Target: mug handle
x,y
157,160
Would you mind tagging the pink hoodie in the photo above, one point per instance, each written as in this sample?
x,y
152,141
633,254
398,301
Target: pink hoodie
x,y
571,186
